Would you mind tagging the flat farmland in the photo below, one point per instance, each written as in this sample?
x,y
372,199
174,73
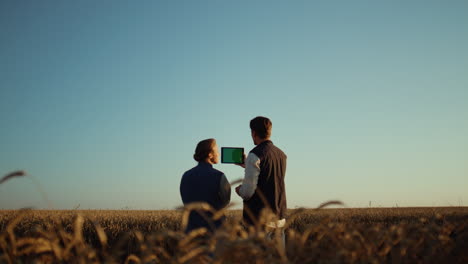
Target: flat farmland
x,y
367,235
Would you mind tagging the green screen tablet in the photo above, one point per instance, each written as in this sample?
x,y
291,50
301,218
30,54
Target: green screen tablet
x,y
232,155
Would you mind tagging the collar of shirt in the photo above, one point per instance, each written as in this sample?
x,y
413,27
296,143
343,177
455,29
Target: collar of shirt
x,y
205,164
265,142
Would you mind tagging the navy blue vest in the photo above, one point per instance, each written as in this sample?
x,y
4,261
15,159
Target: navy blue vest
x,y
201,184
270,191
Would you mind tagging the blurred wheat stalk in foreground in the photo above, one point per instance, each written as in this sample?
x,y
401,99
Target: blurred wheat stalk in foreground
x,y
12,175
312,236
144,237
37,184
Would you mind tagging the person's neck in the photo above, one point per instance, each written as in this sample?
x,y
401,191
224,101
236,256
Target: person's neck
x,y
260,141
207,161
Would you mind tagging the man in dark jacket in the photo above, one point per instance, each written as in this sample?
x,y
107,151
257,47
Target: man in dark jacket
x,y
203,183
265,168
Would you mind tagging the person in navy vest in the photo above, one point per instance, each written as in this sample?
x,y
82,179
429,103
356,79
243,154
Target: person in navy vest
x,y
263,185
203,183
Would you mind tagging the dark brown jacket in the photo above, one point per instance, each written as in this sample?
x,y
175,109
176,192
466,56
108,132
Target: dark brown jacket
x,y
270,191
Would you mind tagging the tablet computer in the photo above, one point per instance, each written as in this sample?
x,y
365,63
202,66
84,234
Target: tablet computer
x,y
232,155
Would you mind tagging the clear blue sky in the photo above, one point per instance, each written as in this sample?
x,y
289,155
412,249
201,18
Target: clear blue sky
x,y
103,102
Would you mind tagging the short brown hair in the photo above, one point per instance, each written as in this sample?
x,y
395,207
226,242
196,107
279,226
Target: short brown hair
x,y
203,149
262,126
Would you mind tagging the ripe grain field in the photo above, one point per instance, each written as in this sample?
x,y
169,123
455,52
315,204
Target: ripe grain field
x,y
372,235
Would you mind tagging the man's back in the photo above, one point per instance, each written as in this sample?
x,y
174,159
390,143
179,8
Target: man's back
x,y
270,191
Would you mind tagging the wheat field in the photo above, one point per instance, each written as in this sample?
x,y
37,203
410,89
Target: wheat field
x,y
371,235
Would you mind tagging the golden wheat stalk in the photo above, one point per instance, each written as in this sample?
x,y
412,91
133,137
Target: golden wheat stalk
x,y
132,259
11,175
200,208
236,181
333,202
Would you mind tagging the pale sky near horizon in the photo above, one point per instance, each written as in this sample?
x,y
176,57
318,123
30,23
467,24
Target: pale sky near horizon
x,y
103,102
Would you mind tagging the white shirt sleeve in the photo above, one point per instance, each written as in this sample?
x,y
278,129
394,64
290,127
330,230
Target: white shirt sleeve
x,y
252,170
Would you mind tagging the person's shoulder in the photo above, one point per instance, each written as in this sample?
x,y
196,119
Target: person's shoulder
x,y
190,171
256,150
218,172
279,150
253,156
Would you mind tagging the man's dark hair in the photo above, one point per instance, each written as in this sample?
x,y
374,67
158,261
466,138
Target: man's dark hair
x,y
262,126
203,149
